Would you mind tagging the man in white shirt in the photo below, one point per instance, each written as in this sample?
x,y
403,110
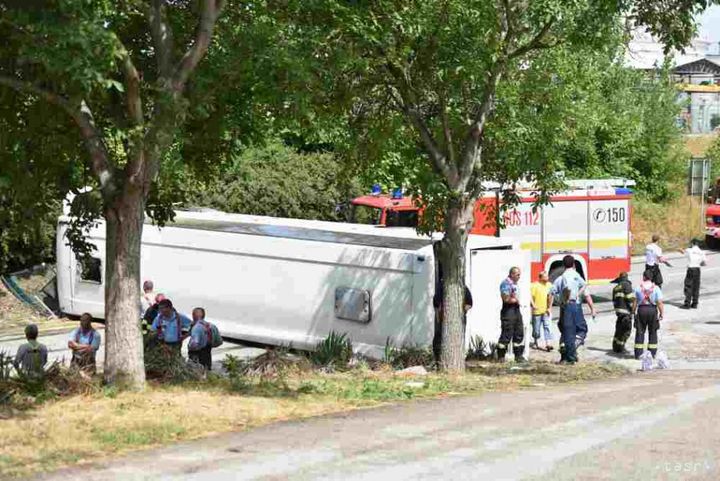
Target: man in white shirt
x,y
696,259
653,258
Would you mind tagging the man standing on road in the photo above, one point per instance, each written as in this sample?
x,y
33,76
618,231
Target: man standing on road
x,y
511,323
653,258
84,342
540,302
31,357
696,259
649,313
570,289
624,303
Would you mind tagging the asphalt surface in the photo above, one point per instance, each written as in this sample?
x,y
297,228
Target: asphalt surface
x,y
655,425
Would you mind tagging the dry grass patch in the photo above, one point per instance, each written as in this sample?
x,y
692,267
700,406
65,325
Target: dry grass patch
x,y
676,222
85,428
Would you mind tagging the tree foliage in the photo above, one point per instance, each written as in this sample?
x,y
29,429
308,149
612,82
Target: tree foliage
x,y
456,76
278,181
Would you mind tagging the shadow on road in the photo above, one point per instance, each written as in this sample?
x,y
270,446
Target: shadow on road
x,y
610,353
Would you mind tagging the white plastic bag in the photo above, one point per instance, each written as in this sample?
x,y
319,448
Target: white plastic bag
x,y
662,360
646,361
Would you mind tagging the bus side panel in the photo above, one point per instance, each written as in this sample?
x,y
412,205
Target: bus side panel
x,y
287,298
63,267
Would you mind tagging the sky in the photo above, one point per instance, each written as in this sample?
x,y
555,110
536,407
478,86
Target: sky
x,y
710,24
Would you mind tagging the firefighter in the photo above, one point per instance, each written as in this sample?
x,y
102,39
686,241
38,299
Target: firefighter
x,y
653,258
624,303
649,312
511,322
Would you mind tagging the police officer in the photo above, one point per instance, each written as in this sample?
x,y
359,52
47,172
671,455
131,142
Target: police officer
x,y
569,288
624,303
696,259
649,313
653,258
511,323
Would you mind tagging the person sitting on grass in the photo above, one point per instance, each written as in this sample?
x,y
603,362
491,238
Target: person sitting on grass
x,y
31,357
84,342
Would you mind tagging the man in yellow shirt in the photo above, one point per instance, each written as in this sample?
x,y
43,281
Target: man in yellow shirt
x,y
540,302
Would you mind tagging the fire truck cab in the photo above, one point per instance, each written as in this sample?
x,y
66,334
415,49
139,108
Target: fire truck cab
x,y
712,217
590,221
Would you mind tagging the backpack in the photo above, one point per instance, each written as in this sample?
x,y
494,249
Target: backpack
x,y
213,334
79,332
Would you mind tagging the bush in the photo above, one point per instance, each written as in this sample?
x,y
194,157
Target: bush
x,y
335,351
480,350
167,365
275,180
407,356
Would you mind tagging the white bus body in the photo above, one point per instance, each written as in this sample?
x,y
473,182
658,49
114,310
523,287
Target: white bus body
x,y
291,282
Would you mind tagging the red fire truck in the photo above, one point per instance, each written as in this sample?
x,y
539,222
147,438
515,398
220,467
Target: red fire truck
x,y
712,217
591,221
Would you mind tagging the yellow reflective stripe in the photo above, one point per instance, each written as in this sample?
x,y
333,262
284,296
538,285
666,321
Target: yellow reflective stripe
x,y
576,244
502,346
639,346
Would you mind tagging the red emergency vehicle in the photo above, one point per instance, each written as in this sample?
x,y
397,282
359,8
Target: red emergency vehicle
x,y
591,221
712,217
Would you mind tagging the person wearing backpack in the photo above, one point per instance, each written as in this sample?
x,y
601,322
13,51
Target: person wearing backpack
x,y
203,337
31,357
648,314
171,326
84,341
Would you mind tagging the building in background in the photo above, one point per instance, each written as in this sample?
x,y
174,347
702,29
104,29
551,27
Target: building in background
x,y
696,73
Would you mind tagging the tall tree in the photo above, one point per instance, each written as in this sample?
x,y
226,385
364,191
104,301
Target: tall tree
x,y
120,72
443,66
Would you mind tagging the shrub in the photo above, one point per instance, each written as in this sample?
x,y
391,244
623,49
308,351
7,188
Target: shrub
x,y
335,351
481,350
167,365
407,356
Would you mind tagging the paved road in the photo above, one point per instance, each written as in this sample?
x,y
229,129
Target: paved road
x,y
661,425
657,425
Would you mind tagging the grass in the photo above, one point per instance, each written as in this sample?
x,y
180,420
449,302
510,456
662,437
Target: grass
x,y
676,222
108,422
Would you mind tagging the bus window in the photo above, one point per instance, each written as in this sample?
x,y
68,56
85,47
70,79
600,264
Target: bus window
x,y
402,218
363,214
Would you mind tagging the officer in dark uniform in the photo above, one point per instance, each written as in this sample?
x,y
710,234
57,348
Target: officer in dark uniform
x,y
624,303
511,322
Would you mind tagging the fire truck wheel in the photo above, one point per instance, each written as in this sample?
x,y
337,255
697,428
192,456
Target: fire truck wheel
x,y
712,242
556,272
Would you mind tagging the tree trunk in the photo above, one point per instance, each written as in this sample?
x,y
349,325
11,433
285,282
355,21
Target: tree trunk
x,y
124,363
452,261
